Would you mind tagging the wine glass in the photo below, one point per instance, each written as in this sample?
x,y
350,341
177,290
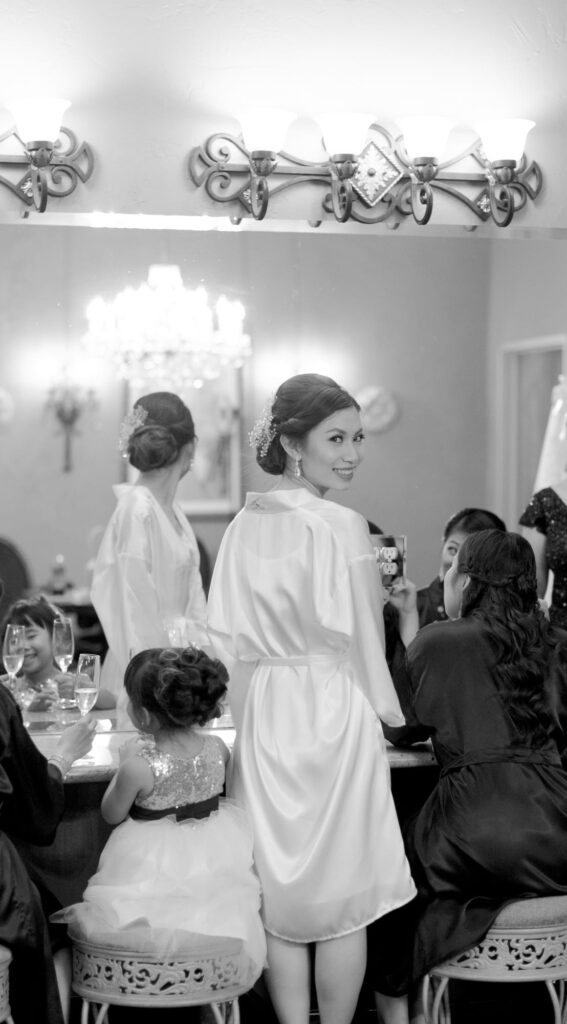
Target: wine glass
x,y
63,645
13,652
87,682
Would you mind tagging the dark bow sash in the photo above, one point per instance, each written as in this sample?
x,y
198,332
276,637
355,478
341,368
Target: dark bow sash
x,y
201,809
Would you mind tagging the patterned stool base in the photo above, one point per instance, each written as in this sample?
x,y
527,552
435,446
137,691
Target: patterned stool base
x,y
527,942
5,961
208,976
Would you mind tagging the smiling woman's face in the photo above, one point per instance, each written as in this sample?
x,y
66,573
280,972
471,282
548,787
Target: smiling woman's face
x,y
332,451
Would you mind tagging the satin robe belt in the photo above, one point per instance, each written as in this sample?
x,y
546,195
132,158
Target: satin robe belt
x,y
201,809
306,659
508,755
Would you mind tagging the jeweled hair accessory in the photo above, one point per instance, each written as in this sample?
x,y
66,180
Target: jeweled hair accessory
x,y
263,431
130,423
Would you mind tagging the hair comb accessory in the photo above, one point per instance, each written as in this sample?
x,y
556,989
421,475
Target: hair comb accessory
x,y
263,431
133,421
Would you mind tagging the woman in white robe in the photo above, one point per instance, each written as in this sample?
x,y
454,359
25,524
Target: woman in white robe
x,y
295,613
147,588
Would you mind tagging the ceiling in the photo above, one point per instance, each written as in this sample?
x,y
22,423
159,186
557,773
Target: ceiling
x,y
148,79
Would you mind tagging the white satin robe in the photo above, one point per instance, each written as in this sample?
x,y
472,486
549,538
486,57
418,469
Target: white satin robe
x,y
295,613
146,583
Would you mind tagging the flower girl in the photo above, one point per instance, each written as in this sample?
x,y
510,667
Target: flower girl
x,y
180,859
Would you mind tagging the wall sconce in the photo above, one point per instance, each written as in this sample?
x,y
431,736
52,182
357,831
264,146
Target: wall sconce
x,y
50,170
69,401
376,176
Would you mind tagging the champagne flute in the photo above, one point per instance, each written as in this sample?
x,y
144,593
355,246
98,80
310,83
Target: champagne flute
x,y
87,682
13,652
63,645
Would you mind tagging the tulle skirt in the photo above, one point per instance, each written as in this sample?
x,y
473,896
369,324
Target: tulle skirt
x,y
161,883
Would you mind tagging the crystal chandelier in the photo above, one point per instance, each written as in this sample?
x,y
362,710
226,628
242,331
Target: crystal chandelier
x,y
165,334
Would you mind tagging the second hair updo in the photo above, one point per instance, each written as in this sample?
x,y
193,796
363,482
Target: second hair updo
x,y
167,426
299,405
180,686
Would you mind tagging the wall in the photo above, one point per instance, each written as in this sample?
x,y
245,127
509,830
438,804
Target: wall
x,y
528,299
406,313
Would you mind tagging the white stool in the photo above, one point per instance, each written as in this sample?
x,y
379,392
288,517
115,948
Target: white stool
x,y
527,942
212,974
5,961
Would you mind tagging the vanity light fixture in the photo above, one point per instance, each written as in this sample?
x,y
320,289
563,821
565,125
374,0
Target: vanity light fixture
x,y
51,167
373,174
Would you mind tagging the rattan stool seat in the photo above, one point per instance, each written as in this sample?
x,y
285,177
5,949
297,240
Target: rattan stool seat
x,y
213,974
527,942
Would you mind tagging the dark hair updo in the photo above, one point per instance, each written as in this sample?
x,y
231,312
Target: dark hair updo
x,y
502,572
472,520
299,405
180,686
168,426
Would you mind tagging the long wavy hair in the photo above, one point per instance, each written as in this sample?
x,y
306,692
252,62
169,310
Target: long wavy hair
x,y
530,655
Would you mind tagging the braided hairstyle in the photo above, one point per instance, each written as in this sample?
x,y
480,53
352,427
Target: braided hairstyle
x,y
167,427
530,654
299,405
180,686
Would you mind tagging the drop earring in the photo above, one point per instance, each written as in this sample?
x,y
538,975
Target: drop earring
x,y
297,467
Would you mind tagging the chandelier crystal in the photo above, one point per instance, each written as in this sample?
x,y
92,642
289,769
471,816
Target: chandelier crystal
x,y
167,334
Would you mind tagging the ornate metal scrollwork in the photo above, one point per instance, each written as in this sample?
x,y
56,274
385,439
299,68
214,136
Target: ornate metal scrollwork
x,y
384,185
55,174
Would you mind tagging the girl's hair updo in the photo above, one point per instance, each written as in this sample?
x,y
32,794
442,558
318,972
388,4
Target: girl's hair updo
x,y
299,405
161,424
180,686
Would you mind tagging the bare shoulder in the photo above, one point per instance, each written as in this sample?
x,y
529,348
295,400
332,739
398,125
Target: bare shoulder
x,y
225,752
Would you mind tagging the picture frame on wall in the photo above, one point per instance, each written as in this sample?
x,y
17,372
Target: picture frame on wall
x,y
213,487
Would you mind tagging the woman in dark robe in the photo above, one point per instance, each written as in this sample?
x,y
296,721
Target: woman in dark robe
x,y
31,805
486,688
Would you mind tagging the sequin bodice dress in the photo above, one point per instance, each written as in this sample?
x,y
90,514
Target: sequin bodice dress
x,y
181,781
168,874
547,513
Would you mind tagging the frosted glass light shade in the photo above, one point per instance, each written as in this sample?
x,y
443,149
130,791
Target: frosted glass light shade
x,y
344,132
38,119
504,139
425,136
264,128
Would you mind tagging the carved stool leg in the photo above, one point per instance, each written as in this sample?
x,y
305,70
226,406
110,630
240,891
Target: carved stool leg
x,y
226,1013
98,1017
435,1000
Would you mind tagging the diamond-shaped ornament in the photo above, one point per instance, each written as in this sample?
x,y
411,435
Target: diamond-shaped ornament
x,y
375,174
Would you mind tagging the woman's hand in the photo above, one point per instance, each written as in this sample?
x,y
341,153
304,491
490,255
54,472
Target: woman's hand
x,y
403,597
65,684
77,739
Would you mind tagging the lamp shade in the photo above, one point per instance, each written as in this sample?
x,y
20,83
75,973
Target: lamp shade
x,y
425,136
38,119
504,139
344,132
265,129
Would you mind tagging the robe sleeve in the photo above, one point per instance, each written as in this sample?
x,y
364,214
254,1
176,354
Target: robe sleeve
x,y
31,791
124,593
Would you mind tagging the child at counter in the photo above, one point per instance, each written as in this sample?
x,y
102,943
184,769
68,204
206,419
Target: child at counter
x,y
181,858
39,671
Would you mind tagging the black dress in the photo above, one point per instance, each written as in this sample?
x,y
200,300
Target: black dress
x,y
547,512
31,804
494,828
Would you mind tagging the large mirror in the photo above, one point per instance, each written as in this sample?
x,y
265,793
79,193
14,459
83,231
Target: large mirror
x,y
425,317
